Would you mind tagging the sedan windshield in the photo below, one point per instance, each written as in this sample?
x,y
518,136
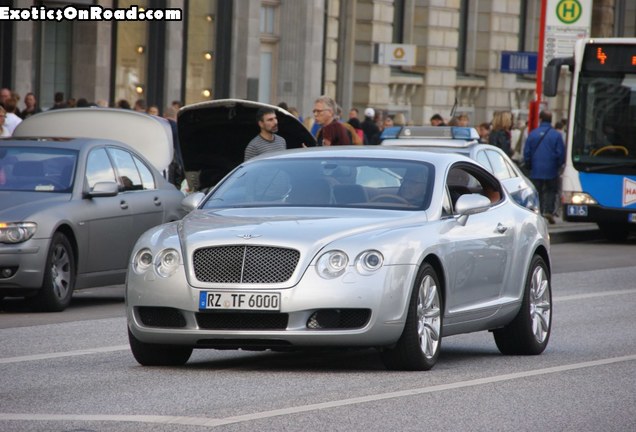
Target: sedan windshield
x,y
37,169
327,182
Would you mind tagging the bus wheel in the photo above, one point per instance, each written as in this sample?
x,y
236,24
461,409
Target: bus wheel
x,y
614,232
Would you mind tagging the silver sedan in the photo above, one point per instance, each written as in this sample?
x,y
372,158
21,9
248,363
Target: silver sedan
x,y
70,213
343,247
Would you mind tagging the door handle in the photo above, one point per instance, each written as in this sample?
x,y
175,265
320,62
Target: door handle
x,y
157,201
501,228
123,204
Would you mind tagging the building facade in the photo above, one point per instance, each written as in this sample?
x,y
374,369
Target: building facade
x,y
292,51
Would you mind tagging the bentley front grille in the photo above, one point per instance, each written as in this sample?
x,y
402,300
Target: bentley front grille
x,y
245,264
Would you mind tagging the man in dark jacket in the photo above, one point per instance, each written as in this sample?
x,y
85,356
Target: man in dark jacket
x,y
370,129
545,152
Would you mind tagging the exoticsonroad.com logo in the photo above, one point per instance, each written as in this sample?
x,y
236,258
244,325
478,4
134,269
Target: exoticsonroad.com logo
x,y
88,13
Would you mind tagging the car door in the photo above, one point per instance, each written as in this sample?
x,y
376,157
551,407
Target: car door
x,y
109,220
139,191
480,256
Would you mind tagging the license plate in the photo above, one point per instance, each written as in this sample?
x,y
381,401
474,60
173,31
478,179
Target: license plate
x,y
239,301
577,210
631,218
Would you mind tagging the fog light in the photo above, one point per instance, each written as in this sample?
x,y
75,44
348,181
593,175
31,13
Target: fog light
x,y
7,272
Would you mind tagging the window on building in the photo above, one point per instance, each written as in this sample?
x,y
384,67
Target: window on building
x,y
625,18
131,61
529,25
267,83
200,58
55,73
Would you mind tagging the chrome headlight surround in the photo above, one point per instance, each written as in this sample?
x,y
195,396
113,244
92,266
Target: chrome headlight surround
x,y
16,232
167,262
369,262
142,261
332,264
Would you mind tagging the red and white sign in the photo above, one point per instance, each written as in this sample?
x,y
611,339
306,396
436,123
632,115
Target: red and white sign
x,y
629,192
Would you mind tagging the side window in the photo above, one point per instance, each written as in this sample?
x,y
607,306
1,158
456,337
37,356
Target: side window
x,y
462,181
128,176
483,159
500,168
98,168
147,179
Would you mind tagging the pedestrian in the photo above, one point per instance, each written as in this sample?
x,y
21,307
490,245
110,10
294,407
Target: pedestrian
x,y
484,132
500,131
437,120
31,106
351,131
544,153
370,128
357,126
4,132
353,113
58,101
5,93
140,105
399,119
11,118
325,113
266,140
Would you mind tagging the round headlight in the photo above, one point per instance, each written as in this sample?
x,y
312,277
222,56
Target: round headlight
x,y
332,264
369,261
142,260
167,262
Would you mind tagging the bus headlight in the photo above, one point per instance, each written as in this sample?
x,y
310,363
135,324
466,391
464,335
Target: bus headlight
x,y
578,198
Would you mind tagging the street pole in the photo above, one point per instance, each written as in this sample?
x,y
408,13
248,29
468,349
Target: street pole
x,y
535,105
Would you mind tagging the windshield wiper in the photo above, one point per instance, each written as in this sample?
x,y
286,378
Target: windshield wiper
x,y
609,167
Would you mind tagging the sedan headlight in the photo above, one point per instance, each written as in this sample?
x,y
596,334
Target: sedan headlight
x,y
369,261
167,262
17,232
142,260
332,264
578,198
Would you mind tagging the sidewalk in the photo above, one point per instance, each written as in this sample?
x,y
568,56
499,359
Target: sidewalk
x,y
562,232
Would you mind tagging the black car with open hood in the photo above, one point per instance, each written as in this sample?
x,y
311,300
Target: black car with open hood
x,y
213,136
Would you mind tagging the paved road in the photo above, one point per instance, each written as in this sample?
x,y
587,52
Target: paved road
x,y
78,375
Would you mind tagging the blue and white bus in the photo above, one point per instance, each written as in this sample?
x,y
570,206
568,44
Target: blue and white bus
x,y
599,180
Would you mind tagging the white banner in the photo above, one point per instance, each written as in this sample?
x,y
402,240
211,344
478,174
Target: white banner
x,y
566,22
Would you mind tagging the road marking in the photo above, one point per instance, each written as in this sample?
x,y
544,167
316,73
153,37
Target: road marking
x,y
48,356
593,295
213,422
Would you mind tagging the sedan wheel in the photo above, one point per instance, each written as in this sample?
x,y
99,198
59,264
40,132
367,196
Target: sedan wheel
x,y
59,277
529,332
158,355
419,346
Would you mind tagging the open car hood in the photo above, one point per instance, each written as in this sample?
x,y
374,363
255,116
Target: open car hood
x,y
150,135
213,135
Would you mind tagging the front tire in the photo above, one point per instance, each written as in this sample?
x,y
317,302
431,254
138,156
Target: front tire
x,y
529,332
158,355
59,277
419,346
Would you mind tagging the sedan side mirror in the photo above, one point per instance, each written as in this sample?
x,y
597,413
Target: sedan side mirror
x,y
103,189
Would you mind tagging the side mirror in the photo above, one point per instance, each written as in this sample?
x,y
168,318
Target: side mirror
x,y
192,201
551,74
103,189
470,204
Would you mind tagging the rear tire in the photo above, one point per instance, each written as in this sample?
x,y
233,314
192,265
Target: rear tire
x,y
528,333
419,346
59,277
158,355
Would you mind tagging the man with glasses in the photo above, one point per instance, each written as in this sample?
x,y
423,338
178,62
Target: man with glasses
x,y
325,110
266,140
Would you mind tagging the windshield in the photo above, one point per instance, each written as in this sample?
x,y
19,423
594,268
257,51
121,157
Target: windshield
x,y
36,169
605,123
327,182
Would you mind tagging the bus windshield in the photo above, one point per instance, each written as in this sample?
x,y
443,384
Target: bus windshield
x,y
604,137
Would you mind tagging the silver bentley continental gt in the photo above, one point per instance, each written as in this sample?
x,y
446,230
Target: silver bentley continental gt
x,y
343,247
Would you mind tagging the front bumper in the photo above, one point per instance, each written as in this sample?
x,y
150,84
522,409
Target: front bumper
x,y
598,214
352,310
28,260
